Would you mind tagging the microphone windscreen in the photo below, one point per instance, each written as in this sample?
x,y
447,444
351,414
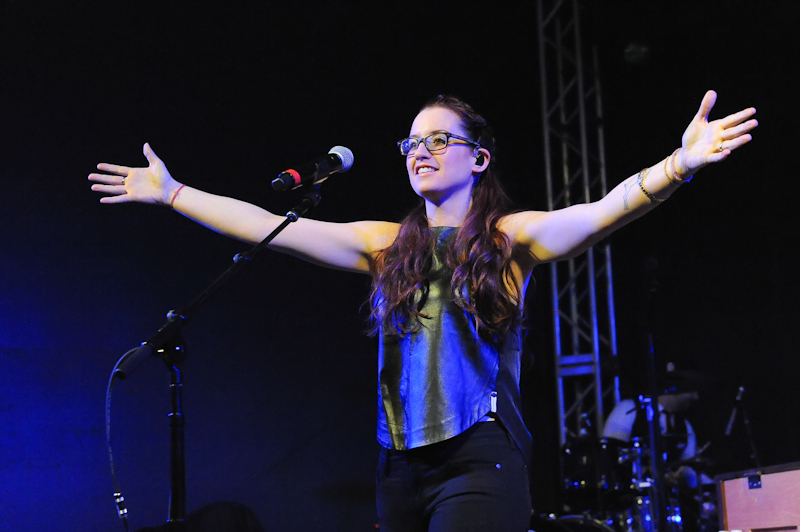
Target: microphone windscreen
x,y
345,155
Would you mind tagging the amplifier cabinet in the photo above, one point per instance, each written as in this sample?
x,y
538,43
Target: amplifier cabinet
x,y
760,498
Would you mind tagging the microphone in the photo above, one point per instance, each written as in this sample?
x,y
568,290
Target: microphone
x,y
339,159
733,412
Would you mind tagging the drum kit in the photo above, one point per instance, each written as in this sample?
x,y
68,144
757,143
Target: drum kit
x,y
609,486
644,484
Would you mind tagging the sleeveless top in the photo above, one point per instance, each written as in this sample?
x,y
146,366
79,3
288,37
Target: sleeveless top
x,y
436,383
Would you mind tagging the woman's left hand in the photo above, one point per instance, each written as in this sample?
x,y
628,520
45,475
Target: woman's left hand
x,y
707,142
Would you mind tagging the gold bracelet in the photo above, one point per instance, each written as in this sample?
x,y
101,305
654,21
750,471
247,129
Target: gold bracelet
x,y
640,180
675,178
672,179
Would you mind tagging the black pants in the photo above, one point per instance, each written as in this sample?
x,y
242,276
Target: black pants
x,y
476,481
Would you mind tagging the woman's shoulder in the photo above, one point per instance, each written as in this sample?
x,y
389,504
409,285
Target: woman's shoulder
x,y
517,223
378,234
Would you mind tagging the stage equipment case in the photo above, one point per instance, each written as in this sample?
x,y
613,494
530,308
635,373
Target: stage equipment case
x,y
759,499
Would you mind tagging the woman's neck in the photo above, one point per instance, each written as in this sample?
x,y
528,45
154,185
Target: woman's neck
x,y
450,212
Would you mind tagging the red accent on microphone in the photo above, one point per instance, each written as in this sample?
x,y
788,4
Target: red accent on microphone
x,y
295,174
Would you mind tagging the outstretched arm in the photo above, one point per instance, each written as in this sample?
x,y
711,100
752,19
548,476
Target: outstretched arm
x,y
345,246
565,233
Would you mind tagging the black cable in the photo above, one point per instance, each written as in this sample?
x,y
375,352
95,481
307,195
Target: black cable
x,y
119,500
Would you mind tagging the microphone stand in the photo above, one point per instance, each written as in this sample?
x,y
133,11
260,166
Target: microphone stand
x,y
659,509
753,451
738,405
168,345
658,501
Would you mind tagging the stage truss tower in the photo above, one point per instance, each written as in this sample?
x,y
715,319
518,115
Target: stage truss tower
x,y
584,329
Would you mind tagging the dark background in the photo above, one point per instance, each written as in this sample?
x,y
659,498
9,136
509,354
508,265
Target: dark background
x,y
280,383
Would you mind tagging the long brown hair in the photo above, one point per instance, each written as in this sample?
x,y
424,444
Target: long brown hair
x,y
480,257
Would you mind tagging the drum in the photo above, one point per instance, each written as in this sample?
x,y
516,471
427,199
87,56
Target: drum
x,y
598,473
568,523
708,520
640,516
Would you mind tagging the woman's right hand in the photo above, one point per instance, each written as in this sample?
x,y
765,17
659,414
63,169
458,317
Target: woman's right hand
x,y
152,184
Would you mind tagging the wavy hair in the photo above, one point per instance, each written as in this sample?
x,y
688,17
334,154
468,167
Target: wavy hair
x,y
480,256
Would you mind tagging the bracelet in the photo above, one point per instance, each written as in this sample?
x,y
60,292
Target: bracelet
x,y
175,195
640,181
672,179
670,162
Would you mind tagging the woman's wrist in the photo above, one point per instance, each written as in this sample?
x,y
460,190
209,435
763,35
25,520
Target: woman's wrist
x,y
675,168
172,194
680,166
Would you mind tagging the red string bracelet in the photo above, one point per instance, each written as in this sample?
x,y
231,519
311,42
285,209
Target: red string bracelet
x,y
175,195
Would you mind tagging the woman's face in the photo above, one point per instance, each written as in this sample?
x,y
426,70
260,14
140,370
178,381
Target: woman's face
x,y
440,175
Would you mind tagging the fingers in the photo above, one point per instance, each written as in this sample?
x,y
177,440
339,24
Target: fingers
x,y
738,142
115,199
117,192
737,118
107,179
109,189
728,146
706,105
741,129
114,169
718,156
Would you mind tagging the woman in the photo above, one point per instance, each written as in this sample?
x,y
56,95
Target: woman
x,y
447,290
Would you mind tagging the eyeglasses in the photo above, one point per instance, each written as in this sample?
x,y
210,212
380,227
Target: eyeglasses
x,y
433,142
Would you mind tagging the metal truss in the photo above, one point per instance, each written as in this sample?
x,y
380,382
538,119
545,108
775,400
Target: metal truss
x,y
584,326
